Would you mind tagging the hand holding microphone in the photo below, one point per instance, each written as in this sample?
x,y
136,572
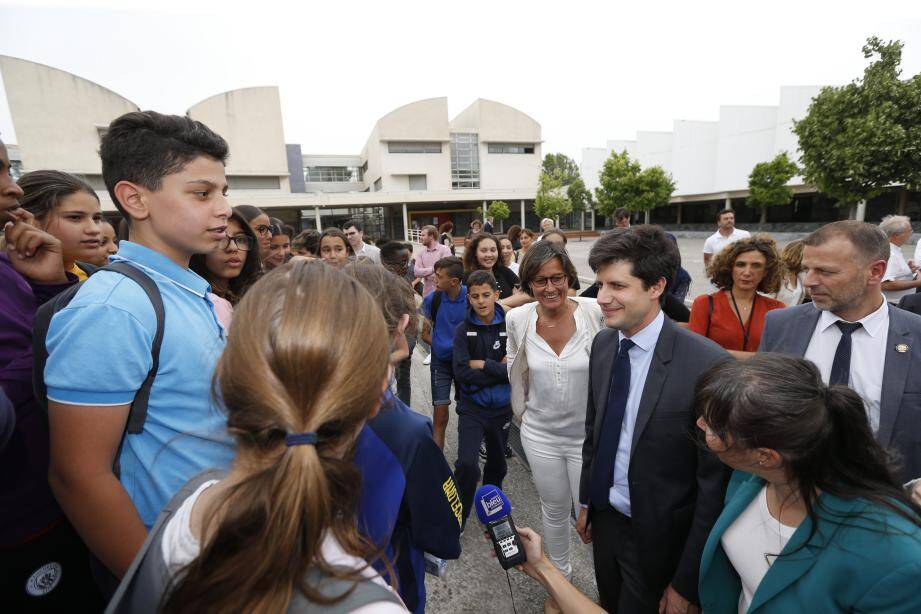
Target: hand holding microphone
x,y
495,513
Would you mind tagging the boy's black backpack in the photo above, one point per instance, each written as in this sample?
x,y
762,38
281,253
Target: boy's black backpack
x,y
138,412
436,303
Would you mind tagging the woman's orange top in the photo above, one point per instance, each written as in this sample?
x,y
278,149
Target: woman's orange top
x,y
725,327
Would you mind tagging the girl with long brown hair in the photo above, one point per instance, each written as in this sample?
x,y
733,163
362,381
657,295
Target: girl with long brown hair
x,y
278,533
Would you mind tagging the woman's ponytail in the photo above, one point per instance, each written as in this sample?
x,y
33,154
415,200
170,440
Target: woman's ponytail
x,y
288,370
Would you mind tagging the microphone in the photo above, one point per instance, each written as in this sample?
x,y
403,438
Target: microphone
x,y
495,513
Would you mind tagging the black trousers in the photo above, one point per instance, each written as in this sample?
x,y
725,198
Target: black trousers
x,y
50,573
472,428
621,585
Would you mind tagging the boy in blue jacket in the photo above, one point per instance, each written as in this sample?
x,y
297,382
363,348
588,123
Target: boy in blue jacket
x,y
444,309
483,392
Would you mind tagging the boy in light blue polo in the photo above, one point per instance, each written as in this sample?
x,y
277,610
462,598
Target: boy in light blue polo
x,y
166,176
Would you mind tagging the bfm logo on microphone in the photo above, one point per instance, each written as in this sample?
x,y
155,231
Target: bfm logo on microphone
x,y
492,502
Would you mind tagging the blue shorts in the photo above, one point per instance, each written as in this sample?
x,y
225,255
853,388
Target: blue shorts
x,y
442,377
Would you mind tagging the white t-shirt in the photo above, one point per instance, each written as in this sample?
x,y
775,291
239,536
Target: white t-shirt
x,y
372,252
180,546
752,543
791,296
716,242
897,269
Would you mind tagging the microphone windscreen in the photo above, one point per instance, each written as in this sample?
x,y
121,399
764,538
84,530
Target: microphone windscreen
x,y
491,503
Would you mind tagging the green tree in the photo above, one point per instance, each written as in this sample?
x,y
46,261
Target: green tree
x,y
498,209
580,198
624,183
551,200
859,138
565,167
579,195
767,183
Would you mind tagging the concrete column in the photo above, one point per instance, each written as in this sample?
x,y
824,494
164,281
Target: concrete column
x,y
728,203
593,220
861,210
484,212
405,223
316,214
522,214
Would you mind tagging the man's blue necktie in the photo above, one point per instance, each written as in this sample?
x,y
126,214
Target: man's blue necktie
x,y
602,476
841,366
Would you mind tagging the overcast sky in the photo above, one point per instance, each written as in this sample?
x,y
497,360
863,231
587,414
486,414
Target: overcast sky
x,y
586,71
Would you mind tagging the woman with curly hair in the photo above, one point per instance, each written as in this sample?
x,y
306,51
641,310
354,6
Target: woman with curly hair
x,y
734,315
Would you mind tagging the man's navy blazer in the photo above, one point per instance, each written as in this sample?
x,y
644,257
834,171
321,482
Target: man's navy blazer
x,y
788,331
676,484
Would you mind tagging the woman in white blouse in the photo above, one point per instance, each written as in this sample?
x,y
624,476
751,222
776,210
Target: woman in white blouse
x,y
792,292
549,342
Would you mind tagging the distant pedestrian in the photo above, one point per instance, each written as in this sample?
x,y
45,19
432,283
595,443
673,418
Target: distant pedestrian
x,y
725,234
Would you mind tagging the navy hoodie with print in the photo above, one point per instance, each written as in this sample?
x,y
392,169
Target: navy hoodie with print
x,y
481,390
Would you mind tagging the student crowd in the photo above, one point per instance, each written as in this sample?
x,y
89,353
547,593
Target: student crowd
x,y
212,413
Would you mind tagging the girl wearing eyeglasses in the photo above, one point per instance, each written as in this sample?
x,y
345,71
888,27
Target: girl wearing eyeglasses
x,y
260,224
232,268
548,348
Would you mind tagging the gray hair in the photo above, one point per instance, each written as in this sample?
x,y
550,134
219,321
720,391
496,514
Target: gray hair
x,y
895,224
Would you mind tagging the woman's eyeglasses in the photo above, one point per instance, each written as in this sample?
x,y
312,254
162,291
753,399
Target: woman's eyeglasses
x,y
262,230
556,280
241,242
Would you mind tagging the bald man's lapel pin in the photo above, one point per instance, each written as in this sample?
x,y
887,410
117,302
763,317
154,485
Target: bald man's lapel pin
x,y
901,348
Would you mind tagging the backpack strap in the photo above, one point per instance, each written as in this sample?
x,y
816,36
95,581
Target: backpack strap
x,y
138,414
358,594
436,303
709,314
147,577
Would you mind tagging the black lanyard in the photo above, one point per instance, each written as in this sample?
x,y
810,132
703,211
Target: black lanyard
x,y
751,316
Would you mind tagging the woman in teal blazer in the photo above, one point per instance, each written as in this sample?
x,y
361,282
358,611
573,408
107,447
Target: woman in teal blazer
x,y
814,517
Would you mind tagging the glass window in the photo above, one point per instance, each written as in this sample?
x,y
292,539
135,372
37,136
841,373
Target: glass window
x,y
417,182
465,161
333,174
413,147
511,148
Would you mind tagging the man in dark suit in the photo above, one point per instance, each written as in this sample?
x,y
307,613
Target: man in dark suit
x,y
649,492
854,336
911,302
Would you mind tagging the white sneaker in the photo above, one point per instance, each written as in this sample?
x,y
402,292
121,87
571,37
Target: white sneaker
x,y
427,360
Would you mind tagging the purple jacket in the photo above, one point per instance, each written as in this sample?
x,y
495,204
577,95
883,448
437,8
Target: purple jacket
x,y
26,503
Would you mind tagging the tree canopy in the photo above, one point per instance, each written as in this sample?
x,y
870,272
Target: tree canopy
x,y
579,195
551,200
498,209
767,183
861,137
563,166
624,183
